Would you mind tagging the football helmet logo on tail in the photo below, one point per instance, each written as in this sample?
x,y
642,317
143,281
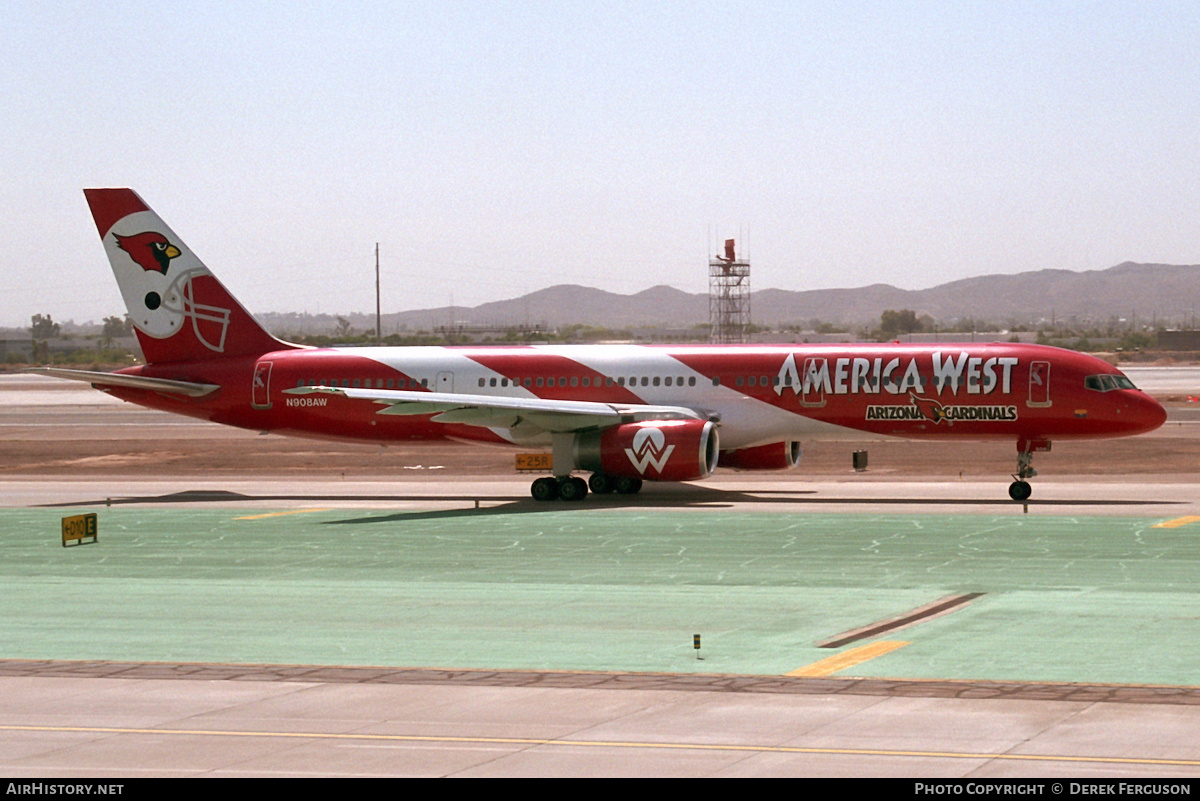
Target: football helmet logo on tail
x,y
179,309
167,289
178,301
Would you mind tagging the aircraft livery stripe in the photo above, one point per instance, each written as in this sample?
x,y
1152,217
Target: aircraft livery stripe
x,y
647,365
109,206
550,366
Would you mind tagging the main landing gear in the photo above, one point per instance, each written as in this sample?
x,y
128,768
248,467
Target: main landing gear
x,y
1020,490
573,488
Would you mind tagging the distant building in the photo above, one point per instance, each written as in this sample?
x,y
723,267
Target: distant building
x,y
1179,340
16,349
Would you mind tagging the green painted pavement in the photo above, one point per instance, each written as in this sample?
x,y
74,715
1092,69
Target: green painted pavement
x,y
1095,599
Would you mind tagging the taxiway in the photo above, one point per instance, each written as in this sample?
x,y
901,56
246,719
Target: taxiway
x,y
260,606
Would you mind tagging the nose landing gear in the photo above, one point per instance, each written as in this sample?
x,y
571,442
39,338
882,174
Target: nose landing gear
x,y
1020,490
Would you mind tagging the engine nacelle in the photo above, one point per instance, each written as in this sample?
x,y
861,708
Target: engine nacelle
x,y
653,450
775,456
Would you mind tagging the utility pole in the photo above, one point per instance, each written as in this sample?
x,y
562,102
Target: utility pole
x,y
378,317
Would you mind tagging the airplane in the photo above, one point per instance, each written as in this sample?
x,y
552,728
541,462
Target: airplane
x,y
623,413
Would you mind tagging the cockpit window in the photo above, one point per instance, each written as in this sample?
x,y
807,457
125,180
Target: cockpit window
x,y
1108,382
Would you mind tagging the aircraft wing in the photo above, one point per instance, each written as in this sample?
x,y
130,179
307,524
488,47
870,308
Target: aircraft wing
x,y
505,412
192,389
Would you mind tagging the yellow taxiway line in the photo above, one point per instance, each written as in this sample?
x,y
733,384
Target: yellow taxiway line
x,y
1177,522
846,659
280,514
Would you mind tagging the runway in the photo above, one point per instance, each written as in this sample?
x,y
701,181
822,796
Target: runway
x,y
558,641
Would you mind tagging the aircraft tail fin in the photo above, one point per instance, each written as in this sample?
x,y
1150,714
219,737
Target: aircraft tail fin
x,y
179,310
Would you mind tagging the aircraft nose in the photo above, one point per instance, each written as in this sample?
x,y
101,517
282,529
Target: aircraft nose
x,y
1143,413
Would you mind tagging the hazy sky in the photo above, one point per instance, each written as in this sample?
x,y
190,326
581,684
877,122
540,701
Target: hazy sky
x,y
494,148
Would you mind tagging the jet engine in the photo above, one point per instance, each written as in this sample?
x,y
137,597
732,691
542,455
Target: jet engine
x,y
775,456
653,450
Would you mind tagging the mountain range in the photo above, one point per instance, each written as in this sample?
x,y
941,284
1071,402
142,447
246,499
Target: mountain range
x,y
1148,294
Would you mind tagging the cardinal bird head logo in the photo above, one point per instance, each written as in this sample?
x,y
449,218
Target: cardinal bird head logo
x,y
931,409
150,249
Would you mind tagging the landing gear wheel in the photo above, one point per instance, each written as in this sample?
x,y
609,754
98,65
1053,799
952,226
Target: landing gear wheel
x,y
601,484
628,486
544,489
572,489
1020,490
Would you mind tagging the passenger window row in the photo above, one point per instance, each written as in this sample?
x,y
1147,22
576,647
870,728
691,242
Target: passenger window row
x,y
1093,382
365,383
542,381
587,381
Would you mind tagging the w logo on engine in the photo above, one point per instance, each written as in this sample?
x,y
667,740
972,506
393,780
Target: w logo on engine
x,y
648,449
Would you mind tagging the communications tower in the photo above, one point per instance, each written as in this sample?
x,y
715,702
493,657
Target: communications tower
x,y
729,296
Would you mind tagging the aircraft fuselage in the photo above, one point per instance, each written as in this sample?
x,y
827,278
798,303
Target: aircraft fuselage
x,y
757,394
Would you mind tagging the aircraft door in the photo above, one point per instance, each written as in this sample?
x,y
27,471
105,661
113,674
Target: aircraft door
x,y
445,382
1039,384
814,378
260,391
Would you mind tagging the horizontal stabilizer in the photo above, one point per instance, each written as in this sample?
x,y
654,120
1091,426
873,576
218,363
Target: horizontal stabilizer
x,y
191,389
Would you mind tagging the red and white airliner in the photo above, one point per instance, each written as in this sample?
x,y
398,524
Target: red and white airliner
x,y
624,413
